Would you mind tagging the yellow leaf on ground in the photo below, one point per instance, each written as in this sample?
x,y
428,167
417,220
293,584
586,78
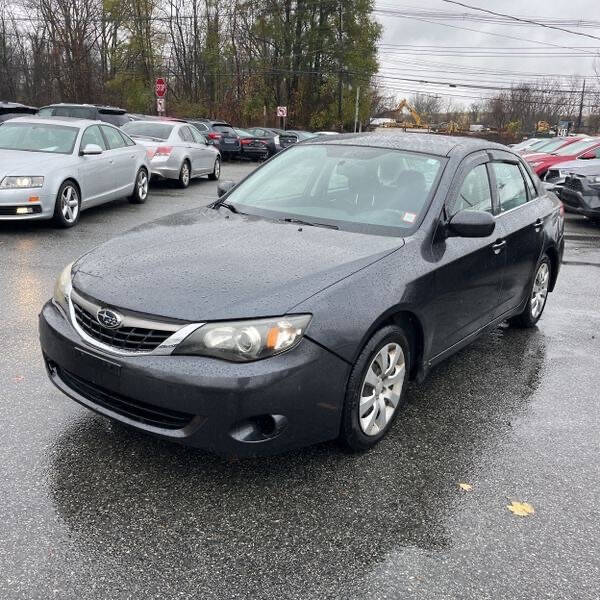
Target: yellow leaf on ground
x,y
521,509
467,487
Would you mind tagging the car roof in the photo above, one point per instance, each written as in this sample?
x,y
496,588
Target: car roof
x,y
159,122
57,121
429,143
9,105
100,107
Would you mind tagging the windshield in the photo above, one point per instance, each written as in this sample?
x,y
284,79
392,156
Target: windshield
x,y
158,131
551,145
244,133
38,137
357,188
577,147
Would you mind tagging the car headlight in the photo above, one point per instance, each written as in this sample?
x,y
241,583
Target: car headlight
x,y
595,179
242,341
13,182
62,289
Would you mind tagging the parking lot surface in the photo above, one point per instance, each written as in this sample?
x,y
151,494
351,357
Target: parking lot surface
x,y
90,509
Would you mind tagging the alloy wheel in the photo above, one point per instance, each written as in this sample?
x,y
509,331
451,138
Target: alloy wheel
x,y
540,290
381,389
142,185
185,174
217,169
69,204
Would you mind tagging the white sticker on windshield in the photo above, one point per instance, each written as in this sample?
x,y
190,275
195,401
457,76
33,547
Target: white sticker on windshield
x,y
409,217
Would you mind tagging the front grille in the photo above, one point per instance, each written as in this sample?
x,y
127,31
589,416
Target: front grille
x,y
164,418
132,339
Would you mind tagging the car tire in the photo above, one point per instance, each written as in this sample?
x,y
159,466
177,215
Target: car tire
x,y
538,295
140,190
185,175
67,207
214,176
371,405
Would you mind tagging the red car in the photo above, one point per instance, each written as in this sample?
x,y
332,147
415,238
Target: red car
x,y
582,148
550,145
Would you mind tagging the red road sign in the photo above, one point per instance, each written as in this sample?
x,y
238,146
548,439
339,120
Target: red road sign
x,y
160,87
282,111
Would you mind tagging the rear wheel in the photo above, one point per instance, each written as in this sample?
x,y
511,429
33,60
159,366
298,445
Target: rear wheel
x,y
214,176
140,191
184,175
376,388
538,296
68,205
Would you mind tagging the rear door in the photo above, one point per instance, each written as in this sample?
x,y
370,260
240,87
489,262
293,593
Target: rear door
x,y
121,161
207,155
192,149
469,279
520,216
94,169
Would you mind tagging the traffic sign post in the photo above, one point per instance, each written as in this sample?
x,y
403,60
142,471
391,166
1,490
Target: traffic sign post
x,y
282,114
160,89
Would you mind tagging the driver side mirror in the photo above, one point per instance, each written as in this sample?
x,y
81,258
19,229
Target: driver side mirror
x,y
471,224
224,187
91,150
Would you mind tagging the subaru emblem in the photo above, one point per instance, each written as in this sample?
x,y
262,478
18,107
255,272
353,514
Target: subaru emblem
x,y
109,318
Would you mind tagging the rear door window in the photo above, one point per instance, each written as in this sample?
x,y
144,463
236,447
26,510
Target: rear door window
x,y
510,185
113,137
186,134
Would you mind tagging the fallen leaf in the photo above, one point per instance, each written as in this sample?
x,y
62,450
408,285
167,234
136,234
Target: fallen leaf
x,y
521,509
467,487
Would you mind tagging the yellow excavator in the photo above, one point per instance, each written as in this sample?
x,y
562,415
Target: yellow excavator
x,y
414,114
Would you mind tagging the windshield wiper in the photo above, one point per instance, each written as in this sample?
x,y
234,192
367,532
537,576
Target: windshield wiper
x,y
230,207
309,223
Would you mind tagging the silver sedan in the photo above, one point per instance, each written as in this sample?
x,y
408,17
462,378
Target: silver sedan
x,y
56,167
177,150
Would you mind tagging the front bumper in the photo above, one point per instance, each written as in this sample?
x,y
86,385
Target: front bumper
x,y
249,409
586,202
11,200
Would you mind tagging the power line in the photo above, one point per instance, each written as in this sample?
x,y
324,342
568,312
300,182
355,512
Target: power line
x,y
521,19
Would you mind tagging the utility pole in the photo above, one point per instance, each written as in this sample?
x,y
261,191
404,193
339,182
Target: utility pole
x,y
356,108
581,107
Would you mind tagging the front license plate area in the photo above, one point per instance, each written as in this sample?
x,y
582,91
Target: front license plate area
x,y
98,370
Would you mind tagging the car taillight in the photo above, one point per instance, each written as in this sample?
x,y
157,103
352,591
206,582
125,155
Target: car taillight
x,y
245,141
214,136
163,151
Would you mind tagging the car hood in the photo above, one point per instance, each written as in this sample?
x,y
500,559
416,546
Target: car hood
x,y
20,162
582,167
211,264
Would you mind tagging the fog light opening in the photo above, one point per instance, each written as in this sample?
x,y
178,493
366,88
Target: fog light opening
x,y
260,428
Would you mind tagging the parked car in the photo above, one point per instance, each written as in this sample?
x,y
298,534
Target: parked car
x,y
581,149
548,146
10,110
270,136
296,308
580,189
302,135
176,150
219,134
287,139
253,147
55,168
109,114
327,133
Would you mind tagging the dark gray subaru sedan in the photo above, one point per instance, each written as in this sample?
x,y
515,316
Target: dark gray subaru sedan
x,y
295,308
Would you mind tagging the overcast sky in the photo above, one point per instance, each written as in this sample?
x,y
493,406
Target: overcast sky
x,y
402,54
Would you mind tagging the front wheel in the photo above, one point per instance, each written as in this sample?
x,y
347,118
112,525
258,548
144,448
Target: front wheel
x,y
67,206
214,176
140,191
538,296
375,389
184,175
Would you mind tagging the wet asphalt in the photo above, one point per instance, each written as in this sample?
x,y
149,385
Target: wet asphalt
x,y
90,509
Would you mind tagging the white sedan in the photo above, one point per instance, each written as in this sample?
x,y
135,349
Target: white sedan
x,y
54,168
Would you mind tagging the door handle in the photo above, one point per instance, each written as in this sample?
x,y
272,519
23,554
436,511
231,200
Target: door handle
x,y
538,225
498,246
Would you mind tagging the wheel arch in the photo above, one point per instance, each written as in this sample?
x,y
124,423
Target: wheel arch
x,y
77,185
552,254
412,325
